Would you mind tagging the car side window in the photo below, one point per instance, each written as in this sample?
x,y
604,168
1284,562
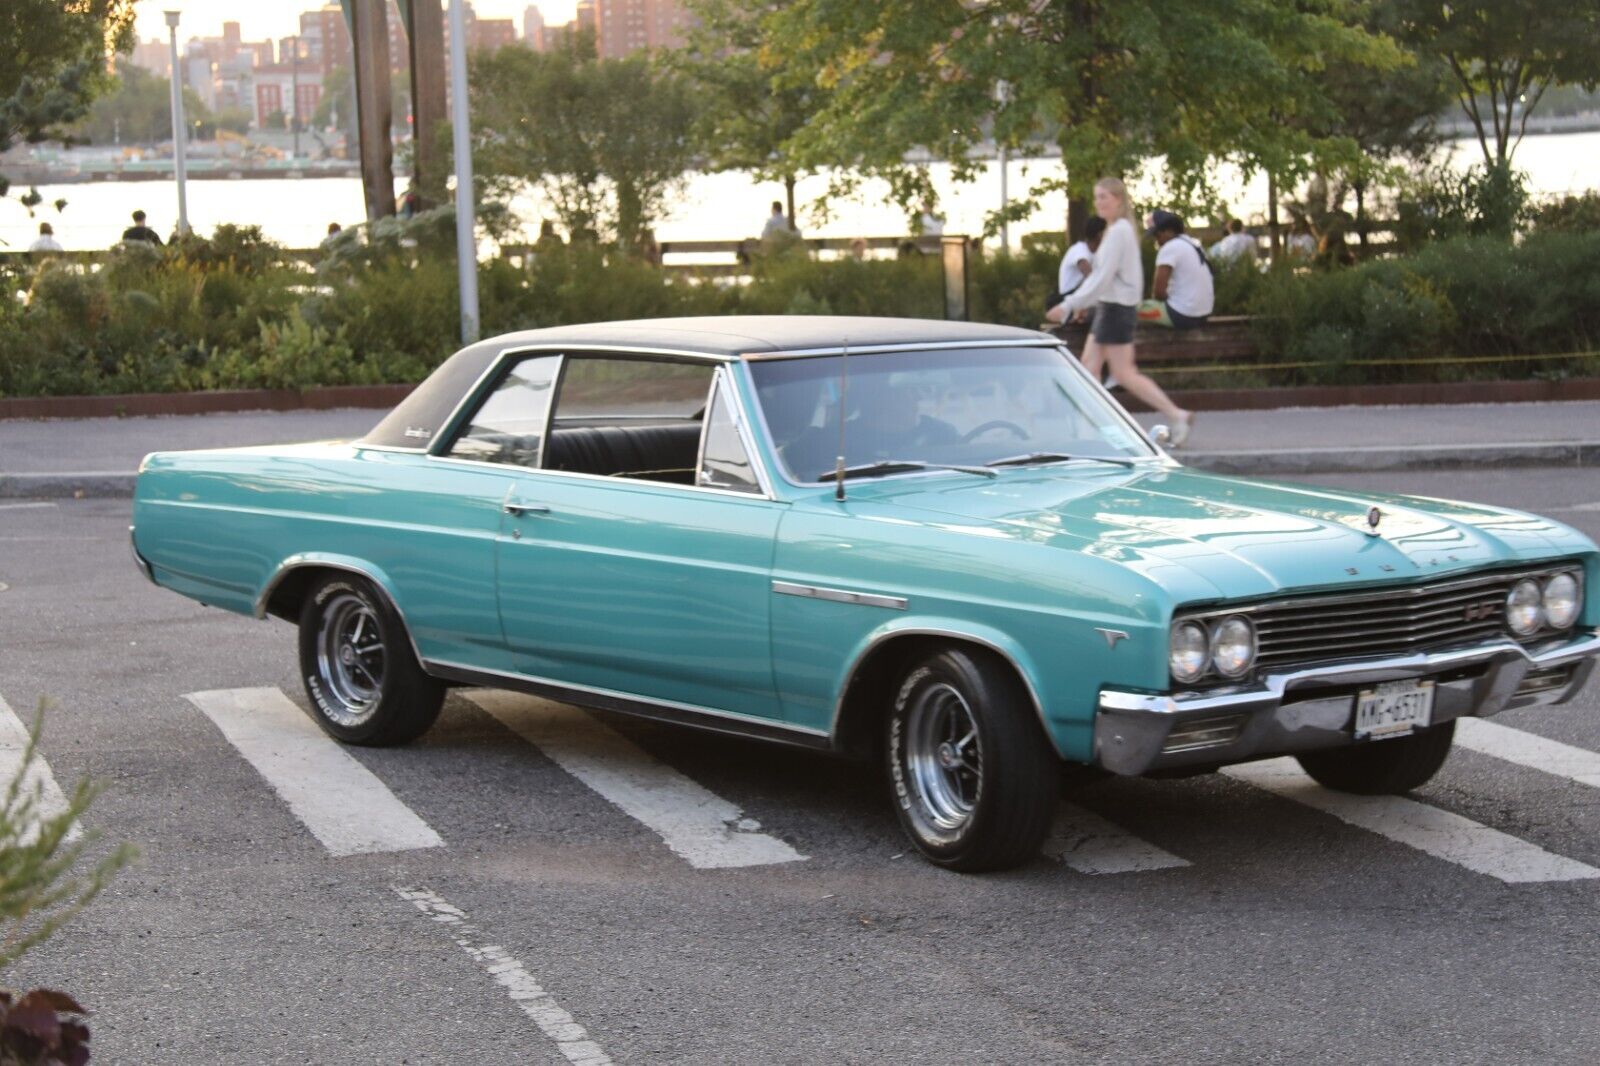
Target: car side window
x,y
724,461
509,426
628,416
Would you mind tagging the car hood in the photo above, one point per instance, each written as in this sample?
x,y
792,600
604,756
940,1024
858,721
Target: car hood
x,y
1239,538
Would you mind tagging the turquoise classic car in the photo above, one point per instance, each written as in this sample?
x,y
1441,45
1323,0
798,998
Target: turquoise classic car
x,y
940,545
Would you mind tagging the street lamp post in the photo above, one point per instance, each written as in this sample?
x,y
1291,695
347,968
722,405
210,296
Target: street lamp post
x,y
466,238
179,128
294,93
1003,95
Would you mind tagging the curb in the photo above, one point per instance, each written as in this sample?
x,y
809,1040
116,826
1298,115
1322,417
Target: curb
x,y
115,484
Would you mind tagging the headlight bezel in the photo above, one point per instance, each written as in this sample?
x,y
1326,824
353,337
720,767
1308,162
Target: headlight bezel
x,y
1248,663
1203,648
1203,645
1531,592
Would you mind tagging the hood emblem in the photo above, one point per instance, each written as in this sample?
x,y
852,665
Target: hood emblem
x,y
1112,636
1374,516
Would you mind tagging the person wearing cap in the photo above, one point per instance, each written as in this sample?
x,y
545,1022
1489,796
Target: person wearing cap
x,y
46,241
139,231
1184,295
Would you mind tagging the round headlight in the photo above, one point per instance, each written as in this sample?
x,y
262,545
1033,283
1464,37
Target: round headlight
x,y
1561,601
1233,646
1190,649
1524,612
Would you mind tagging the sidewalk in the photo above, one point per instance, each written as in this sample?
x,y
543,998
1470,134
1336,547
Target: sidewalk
x,y
98,457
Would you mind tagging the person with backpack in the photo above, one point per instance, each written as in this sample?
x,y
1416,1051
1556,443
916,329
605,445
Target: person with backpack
x,y
1184,294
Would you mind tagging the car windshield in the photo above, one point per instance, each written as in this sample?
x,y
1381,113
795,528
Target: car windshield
x,y
972,407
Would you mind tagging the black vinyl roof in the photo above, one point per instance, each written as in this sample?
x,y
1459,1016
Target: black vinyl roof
x,y
420,415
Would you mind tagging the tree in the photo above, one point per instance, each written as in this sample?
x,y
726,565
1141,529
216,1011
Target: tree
x,y
53,62
745,121
138,110
1114,84
605,139
1504,55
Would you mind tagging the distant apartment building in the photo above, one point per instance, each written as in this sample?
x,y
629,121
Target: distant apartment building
x,y
533,28
153,55
625,26
488,35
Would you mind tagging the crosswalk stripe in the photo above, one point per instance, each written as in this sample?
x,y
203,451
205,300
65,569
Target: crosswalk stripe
x,y
13,746
1528,749
343,804
1439,833
1090,844
706,830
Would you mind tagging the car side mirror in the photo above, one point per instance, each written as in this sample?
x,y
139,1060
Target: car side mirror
x,y
1160,434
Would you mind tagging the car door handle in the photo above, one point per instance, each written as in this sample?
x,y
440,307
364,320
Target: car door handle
x,y
524,508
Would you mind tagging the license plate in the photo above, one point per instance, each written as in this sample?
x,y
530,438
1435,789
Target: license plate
x,y
1394,709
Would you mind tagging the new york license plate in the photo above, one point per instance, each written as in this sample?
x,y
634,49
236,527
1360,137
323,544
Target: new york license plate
x,y
1394,709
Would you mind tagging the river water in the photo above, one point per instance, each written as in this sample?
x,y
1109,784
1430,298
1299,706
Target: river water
x,y
296,211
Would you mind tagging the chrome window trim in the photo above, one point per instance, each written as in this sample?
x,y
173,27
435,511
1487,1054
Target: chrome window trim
x,y
388,448
447,428
604,479
616,694
866,653
1043,341
303,562
722,384
821,592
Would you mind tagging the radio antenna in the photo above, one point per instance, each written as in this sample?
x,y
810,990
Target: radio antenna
x,y
838,469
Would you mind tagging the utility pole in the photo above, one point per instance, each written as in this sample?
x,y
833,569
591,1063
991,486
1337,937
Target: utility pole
x,y
466,235
179,128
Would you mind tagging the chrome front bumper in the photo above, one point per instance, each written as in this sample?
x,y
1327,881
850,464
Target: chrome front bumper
x,y
1303,710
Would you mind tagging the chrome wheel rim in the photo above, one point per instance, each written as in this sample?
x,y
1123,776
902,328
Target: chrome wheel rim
x,y
350,659
944,757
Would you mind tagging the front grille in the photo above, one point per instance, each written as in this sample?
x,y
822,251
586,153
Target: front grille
x,y
1390,621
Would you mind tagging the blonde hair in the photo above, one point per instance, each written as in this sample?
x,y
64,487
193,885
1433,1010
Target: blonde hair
x,y
1115,186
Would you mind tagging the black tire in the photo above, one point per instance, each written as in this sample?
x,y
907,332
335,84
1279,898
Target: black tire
x,y
377,696
1382,767
974,802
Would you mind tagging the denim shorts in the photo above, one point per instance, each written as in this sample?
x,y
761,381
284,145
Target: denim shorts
x,y
1113,323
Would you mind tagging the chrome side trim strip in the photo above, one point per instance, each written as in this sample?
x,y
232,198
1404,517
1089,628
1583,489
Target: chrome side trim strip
x,y
818,592
628,703
524,471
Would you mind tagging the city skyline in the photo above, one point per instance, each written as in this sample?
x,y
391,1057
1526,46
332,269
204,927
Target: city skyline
x,y
273,19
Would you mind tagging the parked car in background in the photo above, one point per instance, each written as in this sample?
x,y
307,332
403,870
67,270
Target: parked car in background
x,y
939,545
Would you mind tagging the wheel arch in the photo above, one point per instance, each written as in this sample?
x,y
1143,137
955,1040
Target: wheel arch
x,y
867,688
284,593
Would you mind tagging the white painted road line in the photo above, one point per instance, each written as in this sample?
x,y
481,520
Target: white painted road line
x,y
13,746
1437,832
699,825
24,506
1091,845
570,1038
338,799
1529,749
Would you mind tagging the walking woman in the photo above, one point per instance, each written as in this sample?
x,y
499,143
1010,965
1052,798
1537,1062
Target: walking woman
x,y
1114,288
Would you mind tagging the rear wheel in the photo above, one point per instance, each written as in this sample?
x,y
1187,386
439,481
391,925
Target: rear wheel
x,y
974,778
1382,767
364,682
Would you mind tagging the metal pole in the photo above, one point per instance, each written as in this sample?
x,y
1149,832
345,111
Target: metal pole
x,y
466,239
294,93
179,127
1005,199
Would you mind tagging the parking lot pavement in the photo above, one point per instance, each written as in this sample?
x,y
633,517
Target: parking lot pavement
x,y
534,883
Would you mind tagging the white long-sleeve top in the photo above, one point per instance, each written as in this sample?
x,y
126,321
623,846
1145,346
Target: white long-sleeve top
x,y
1118,274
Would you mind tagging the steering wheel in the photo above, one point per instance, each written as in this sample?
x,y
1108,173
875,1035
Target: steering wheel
x,y
998,423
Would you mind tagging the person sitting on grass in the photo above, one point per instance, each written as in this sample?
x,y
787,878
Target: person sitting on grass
x,y
1184,295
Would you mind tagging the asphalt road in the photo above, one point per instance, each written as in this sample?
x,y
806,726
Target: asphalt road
x,y
549,925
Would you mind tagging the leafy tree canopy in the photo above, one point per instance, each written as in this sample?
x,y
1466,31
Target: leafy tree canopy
x,y
1114,84
1504,55
53,56
606,140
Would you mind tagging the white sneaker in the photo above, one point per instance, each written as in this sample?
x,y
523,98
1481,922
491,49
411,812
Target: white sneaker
x,y
1180,430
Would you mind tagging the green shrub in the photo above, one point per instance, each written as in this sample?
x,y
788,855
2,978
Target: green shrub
x,y
1569,214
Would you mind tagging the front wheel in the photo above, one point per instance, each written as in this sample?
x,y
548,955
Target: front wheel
x,y
974,777
365,684
1382,767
